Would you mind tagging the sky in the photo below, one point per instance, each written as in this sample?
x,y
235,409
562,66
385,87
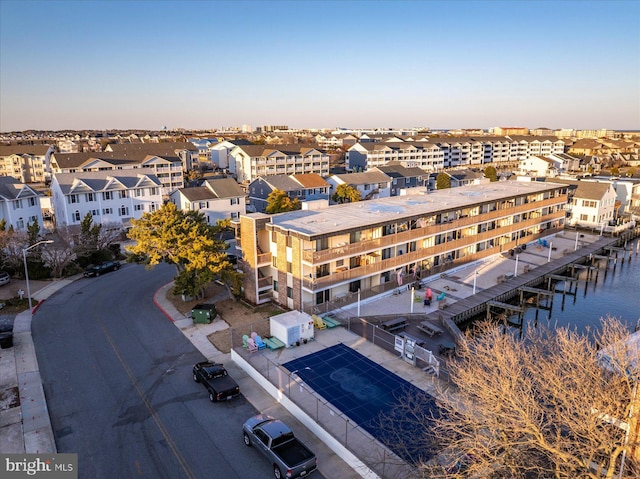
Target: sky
x,y
351,64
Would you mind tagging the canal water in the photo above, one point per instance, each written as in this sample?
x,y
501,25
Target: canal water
x,y
612,292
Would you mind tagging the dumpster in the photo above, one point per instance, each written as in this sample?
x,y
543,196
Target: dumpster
x,y
203,313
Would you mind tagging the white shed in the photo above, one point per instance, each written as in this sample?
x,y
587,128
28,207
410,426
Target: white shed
x,y
292,327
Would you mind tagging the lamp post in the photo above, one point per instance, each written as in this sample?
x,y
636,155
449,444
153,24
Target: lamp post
x,y
26,270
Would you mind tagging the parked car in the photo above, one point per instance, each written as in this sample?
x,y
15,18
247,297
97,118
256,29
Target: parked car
x,y
101,268
288,455
216,379
4,278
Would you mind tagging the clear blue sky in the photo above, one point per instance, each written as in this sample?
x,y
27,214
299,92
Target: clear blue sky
x,y
454,64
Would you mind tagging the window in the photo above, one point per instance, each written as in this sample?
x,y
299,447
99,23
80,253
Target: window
x,y
72,199
234,201
17,204
32,201
139,192
20,223
289,267
154,191
123,194
289,292
124,210
138,207
89,197
107,195
107,211
234,215
94,213
76,215
275,285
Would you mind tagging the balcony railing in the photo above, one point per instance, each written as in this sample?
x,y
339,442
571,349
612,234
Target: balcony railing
x,y
263,259
363,246
265,282
421,254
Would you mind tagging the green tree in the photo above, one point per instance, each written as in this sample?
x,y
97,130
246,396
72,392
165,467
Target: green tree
x,y
590,170
491,173
279,202
33,232
346,194
187,241
443,181
632,172
615,171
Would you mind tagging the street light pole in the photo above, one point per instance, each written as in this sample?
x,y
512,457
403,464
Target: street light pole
x,y
26,270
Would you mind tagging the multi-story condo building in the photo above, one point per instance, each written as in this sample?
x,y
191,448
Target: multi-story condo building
x,y
110,196
19,204
304,259
451,152
367,155
216,199
168,169
248,162
590,204
26,163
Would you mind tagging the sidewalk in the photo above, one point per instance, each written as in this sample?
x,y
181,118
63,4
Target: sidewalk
x,y
25,426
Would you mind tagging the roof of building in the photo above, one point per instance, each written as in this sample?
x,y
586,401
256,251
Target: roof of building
x,y
367,214
288,150
465,174
159,149
197,193
364,178
37,150
394,169
78,160
11,188
225,187
310,180
98,180
589,190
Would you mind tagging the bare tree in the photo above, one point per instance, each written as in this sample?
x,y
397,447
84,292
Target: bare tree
x,y
543,406
109,233
13,243
61,253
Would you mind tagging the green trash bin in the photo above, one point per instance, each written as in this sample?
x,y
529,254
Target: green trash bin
x,y
203,313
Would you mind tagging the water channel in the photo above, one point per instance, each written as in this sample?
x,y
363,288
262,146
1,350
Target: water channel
x,y
611,292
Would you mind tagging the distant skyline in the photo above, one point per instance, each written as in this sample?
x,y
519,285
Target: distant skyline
x,y
362,64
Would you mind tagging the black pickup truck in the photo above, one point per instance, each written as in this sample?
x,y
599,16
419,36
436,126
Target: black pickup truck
x,y
217,381
289,457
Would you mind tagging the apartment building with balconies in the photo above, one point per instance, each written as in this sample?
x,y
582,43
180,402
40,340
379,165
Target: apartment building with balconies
x,y
26,163
452,152
308,259
248,162
168,169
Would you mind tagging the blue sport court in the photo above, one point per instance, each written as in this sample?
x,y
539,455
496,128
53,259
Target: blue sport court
x,y
363,390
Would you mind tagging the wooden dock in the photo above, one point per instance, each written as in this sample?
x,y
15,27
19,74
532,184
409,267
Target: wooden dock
x,y
465,308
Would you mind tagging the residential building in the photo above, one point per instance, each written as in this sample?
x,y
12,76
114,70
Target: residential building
x,y
304,259
19,204
220,152
248,162
402,177
510,130
590,204
304,187
168,169
364,156
466,177
539,166
111,197
26,163
434,154
217,199
371,184
624,191
186,151
335,141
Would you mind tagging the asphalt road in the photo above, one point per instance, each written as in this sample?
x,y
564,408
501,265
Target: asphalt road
x,y
117,378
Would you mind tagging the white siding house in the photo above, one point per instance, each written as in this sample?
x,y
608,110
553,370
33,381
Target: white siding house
x,y
19,204
216,199
110,196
